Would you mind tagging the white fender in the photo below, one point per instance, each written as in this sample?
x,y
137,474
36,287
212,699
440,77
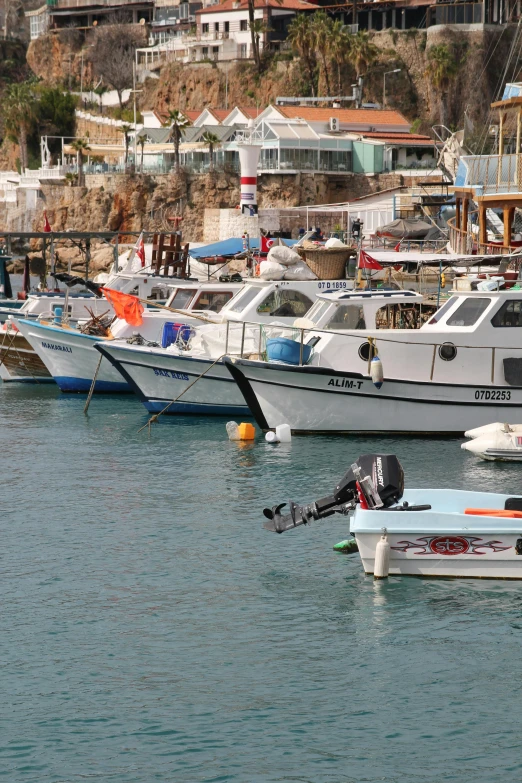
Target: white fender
x,y
381,568
376,372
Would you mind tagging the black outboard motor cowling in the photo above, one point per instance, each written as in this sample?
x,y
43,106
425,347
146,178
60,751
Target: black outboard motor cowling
x,y
387,476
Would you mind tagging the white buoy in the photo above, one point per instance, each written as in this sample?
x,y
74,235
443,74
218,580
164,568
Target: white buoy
x,y
232,428
271,437
376,372
381,568
284,433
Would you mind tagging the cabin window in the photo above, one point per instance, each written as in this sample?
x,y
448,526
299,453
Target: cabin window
x,y
212,300
469,312
317,311
285,303
443,310
244,298
182,298
347,317
510,314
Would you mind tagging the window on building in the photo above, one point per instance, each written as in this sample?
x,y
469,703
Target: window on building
x,y
285,303
510,314
216,27
243,25
242,51
227,27
204,51
469,312
204,27
347,317
215,52
212,300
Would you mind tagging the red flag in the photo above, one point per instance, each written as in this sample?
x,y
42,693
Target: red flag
x,y
140,252
397,267
397,247
266,244
47,226
368,262
125,306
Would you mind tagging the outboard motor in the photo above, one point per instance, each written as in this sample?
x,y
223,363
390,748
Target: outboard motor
x,y
379,478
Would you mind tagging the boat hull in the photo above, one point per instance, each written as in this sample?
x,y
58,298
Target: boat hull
x,y
19,363
444,540
315,399
158,378
70,359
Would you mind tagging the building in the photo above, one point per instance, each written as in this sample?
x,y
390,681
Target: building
x,y
86,13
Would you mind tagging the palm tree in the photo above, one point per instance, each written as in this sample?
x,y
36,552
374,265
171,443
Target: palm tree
x,y
126,129
301,37
100,91
339,48
362,53
322,28
19,113
255,31
81,146
442,69
177,122
211,140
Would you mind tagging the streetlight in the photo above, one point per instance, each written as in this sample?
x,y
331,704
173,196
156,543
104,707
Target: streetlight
x,y
397,70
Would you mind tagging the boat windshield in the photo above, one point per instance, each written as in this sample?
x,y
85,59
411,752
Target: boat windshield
x,y
443,310
347,317
181,298
212,300
243,299
469,312
318,310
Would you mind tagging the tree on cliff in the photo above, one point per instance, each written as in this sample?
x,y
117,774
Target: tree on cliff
x,y
177,122
442,69
339,48
362,52
126,129
81,146
19,114
211,141
256,27
301,37
112,54
322,29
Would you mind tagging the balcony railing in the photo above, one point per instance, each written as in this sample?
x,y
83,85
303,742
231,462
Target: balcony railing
x,y
489,174
462,241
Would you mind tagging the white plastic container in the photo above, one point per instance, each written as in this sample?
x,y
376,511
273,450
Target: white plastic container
x,y
284,433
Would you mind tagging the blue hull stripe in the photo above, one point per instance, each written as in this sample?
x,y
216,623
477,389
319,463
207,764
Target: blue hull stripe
x,y
71,384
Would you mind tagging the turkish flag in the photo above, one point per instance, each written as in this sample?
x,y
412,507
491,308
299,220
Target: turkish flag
x,y
140,252
397,247
47,226
125,306
368,262
266,244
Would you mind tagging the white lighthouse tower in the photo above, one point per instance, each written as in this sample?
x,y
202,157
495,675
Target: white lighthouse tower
x,y
248,160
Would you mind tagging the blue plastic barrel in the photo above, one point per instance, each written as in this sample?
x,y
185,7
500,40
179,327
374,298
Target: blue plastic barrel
x,y
58,312
280,349
171,331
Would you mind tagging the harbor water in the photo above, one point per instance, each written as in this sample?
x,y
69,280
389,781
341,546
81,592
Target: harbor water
x,y
153,631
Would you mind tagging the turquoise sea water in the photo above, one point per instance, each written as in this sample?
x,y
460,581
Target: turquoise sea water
x,y
151,630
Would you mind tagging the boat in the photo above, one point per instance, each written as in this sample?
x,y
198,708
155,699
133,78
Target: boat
x,y
417,532
460,370
249,322
68,354
496,442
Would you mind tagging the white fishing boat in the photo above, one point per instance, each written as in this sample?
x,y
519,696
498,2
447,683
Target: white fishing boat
x,y
460,370
160,375
69,356
417,532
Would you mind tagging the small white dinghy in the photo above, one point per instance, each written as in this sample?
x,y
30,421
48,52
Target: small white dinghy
x,y
496,442
430,532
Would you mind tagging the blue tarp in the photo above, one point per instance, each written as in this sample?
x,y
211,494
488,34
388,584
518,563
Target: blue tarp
x,y
230,247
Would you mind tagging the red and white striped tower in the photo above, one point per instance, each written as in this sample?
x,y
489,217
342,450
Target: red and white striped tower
x,y
248,161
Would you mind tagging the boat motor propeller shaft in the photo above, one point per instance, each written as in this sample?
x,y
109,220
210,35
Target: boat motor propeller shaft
x,y
384,472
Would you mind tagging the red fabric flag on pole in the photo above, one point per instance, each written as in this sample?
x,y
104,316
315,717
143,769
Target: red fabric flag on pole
x,y
140,252
125,306
368,262
266,244
397,247
47,226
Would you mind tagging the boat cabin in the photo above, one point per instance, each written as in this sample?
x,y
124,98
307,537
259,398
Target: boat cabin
x,y
338,311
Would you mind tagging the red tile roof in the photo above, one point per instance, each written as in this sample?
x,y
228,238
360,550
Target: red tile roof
x,y
249,112
192,115
353,116
242,5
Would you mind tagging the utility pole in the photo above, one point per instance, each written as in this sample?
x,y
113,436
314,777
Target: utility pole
x,y
134,91
397,70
